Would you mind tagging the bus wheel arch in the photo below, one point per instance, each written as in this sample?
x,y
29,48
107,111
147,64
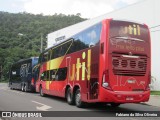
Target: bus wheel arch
x,y
41,91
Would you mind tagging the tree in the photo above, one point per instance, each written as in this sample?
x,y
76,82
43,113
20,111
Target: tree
x,y
14,48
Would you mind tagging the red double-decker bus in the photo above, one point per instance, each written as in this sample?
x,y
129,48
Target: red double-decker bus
x,y
109,62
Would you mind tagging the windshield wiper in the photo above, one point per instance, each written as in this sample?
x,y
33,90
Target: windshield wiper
x,y
128,38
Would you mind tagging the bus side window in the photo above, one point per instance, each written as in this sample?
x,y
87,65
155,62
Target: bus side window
x,y
45,76
42,76
52,75
35,73
61,74
49,54
58,74
40,59
52,54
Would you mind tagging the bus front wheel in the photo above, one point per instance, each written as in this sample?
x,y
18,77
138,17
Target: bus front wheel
x,y
41,92
78,101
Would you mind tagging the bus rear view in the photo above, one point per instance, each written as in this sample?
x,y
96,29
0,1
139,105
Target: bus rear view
x,y
107,62
126,75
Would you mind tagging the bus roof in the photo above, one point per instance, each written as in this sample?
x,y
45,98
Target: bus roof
x,y
22,60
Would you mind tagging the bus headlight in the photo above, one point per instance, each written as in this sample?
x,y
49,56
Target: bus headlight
x,y
105,80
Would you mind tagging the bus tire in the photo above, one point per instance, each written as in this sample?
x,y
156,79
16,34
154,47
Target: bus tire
x,y
69,97
78,101
41,92
25,88
22,88
115,104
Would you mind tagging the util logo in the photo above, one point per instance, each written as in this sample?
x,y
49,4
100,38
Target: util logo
x,y
81,67
132,30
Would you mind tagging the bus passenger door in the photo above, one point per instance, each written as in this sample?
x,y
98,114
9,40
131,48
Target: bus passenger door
x,y
93,83
44,72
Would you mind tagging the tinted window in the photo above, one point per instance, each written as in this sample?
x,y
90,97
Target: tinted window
x,y
61,74
85,39
58,74
128,29
45,57
45,76
77,45
91,36
15,73
61,50
35,61
35,72
57,52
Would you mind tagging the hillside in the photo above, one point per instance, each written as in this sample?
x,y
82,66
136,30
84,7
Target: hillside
x,y
14,47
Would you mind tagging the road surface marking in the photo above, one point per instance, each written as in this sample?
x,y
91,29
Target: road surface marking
x,y
43,107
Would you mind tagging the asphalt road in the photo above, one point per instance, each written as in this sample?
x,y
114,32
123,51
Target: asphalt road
x,y
14,100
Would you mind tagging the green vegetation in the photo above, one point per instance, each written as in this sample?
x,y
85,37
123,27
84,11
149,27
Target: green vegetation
x,y
14,47
155,92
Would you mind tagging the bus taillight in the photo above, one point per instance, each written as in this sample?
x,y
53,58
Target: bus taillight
x,y
149,81
105,80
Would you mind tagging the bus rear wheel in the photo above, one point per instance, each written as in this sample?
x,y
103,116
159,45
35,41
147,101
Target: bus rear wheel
x,y
78,101
25,88
22,88
69,96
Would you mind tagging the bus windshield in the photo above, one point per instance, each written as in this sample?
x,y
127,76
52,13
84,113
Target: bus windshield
x,y
128,30
128,37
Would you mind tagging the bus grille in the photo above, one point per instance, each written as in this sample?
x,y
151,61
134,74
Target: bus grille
x,y
129,66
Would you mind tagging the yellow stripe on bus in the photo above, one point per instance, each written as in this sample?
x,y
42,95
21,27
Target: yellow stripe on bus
x,y
55,63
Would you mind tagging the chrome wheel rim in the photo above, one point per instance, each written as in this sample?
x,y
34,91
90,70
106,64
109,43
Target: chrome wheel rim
x,y
25,88
68,96
22,88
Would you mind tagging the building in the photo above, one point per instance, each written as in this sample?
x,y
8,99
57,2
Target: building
x,y
146,11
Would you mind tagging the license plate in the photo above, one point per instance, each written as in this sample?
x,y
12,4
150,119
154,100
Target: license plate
x,y
129,98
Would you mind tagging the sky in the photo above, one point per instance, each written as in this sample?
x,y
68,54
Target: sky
x,y
87,8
